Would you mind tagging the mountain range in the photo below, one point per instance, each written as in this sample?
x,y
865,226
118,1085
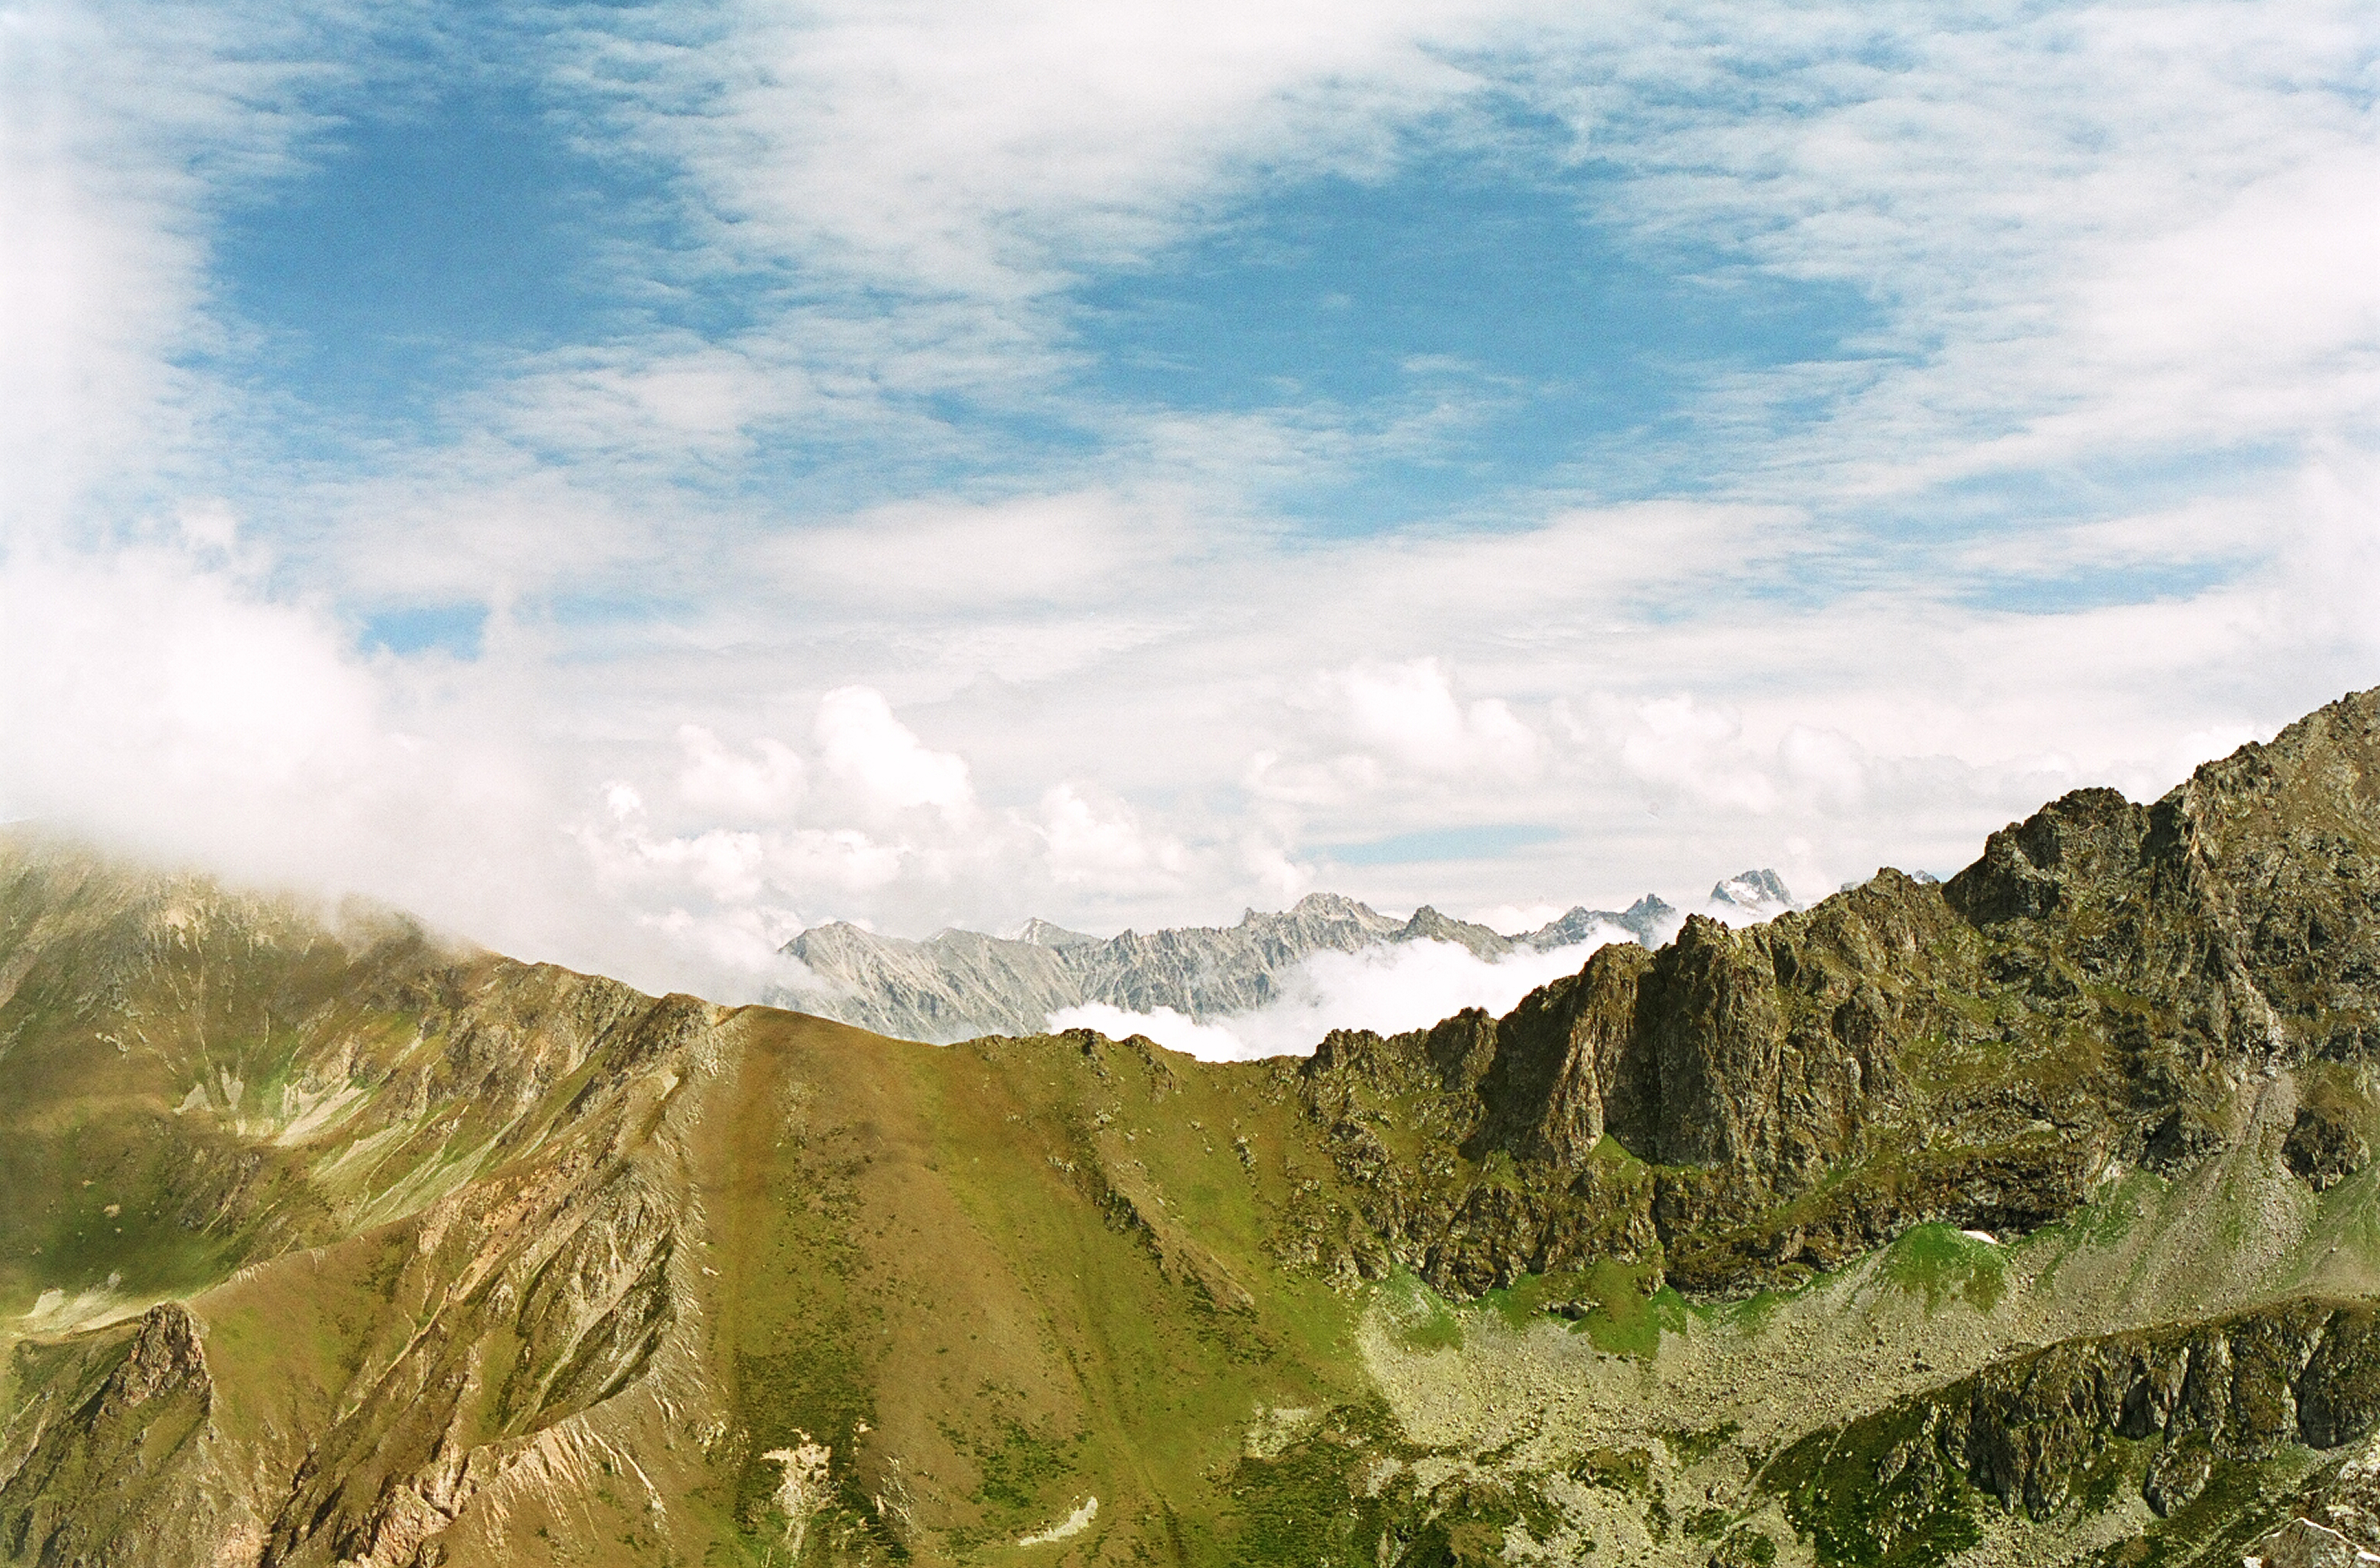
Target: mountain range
x,y
2028,1217
958,984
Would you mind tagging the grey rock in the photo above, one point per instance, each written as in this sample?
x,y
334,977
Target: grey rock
x,y
1652,921
2301,1543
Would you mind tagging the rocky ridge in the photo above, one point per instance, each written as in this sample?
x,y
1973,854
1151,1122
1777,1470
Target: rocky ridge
x,y
959,984
1752,1106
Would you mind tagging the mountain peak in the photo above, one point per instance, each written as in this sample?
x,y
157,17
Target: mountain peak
x,y
1323,905
1762,893
1428,925
1039,932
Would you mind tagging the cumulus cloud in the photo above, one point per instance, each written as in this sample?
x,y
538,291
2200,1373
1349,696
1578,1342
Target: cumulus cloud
x,y
156,699
883,762
1410,711
764,784
1386,988
1103,842
1517,920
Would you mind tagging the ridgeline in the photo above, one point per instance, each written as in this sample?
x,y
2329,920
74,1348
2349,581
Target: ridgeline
x,y
2024,1218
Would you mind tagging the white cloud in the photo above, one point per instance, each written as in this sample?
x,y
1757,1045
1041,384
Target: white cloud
x,y
979,150
1517,920
952,556
2112,223
727,784
2108,224
1675,743
1410,711
867,748
1102,843
1175,1031
116,123
147,675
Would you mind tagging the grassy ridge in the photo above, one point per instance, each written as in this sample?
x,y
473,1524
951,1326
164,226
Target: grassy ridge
x,y
973,1272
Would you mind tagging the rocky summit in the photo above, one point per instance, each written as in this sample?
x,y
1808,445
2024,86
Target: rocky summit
x,y
2024,1217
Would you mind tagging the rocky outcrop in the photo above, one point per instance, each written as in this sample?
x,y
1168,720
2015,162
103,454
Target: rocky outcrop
x,y
2164,1411
2326,1143
545,1299
101,1444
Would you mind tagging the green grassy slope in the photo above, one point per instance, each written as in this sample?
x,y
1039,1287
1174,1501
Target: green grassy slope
x,y
1006,1278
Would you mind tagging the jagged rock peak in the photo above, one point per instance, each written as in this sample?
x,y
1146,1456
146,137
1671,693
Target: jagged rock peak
x,y
956,983
1763,892
1039,932
1651,920
1428,925
1324,906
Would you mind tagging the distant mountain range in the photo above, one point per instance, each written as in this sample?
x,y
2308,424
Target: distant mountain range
x,y
959,984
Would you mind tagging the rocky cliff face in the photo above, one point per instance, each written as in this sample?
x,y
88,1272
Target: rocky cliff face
x,y
957,985
2156,1422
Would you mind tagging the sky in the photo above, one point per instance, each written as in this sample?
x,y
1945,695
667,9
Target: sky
x,y
627,482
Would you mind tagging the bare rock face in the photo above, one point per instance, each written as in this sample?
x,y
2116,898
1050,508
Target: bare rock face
x,y
2301,1543
2032,869
163,1359
1541,1073
2340,1507
2325,1148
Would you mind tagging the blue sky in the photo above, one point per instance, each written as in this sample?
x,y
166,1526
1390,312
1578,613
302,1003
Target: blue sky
x,y
449,219
633,480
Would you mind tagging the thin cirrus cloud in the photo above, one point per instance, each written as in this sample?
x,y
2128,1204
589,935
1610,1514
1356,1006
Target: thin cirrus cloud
x,y
927,464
